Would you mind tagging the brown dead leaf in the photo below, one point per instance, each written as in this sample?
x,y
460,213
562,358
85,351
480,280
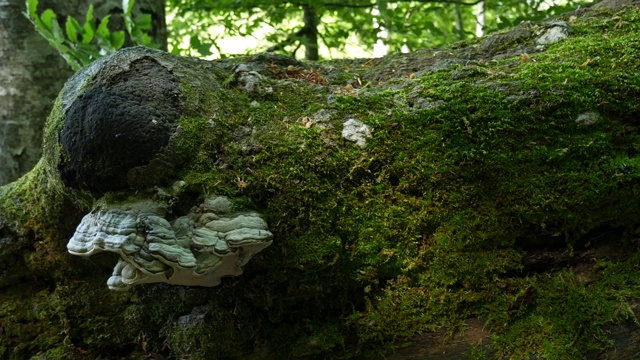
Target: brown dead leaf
x,y
586,63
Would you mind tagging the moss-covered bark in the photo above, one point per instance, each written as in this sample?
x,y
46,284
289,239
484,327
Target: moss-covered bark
x,y
500,182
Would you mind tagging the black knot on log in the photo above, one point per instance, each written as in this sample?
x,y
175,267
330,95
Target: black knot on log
x,y
113,129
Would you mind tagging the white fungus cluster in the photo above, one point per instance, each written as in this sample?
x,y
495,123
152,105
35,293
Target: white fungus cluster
x,y
197,249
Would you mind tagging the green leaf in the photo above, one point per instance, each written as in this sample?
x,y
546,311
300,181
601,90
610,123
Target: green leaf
x,y
143,21
47,17
32,8
383,9
58,46
90,50
35,21
202,49
75,65
117,39
46,33
103,30
128,6
146,39
87,33
72,27
88,29
140,38
154,45
89,17
104,36
82,56
57,30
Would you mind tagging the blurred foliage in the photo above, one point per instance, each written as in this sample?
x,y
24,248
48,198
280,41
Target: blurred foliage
x,y
198,26
80,44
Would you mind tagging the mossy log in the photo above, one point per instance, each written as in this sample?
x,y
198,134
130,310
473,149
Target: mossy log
x,y
481,200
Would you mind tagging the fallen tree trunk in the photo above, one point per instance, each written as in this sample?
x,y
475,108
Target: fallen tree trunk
x,y
406,198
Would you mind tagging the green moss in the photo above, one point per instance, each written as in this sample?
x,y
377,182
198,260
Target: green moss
x,y
425,227
567,319
486,160
40,207
35,332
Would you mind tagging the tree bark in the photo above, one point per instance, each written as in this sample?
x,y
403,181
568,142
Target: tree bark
x,y
31,74
478,201
307,35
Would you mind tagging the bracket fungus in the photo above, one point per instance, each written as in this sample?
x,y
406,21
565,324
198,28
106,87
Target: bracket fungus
x,y
196,249
118,131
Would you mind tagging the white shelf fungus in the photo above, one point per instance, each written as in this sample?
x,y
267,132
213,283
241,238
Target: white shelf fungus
x,y
195,250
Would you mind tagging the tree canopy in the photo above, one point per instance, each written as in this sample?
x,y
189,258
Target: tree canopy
x,y
323,28
327,26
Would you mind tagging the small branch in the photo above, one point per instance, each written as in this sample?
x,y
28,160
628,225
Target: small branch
x,y
324,41
291,39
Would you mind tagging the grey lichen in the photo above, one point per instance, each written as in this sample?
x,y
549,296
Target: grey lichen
x,y
553,32
251,81
197,249
588,118
319,119
357,131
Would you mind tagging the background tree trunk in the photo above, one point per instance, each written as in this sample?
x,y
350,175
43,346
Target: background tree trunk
x,y
480,18
310,32
459,22
32,73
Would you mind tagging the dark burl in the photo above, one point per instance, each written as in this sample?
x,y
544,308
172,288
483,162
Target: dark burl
x,y
112,129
